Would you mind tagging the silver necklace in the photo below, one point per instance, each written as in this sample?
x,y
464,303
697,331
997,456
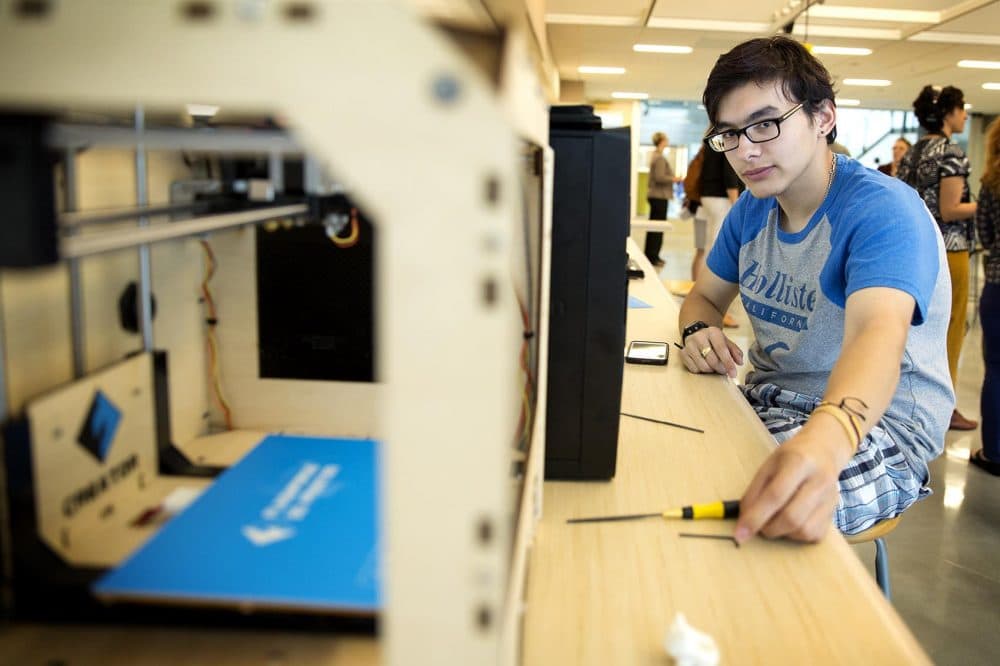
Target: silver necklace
x,y
829,179
829,184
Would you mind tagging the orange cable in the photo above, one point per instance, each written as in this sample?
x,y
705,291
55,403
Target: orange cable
x,y
352,238
211,321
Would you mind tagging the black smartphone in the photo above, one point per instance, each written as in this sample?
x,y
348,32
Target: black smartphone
x,y
648,353
634,270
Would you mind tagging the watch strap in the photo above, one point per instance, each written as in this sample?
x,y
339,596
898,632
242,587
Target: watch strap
x,y
691,328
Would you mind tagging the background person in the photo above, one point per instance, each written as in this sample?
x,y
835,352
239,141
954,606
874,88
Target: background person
x,y
899,148
988,226
659,192
939,169
720,187
840,148
692,204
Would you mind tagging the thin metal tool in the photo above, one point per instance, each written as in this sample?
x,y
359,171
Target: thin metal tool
x,y
722,509
669,423
724,537
604,519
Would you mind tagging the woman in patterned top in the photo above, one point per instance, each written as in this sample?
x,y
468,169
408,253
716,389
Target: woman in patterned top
x,y
988,226
939,170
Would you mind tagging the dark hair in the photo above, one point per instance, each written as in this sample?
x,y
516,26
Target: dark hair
x,y
991,165
765,60
932,105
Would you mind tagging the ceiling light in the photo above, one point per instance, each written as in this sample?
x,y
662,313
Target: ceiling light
x,y
848,32
630,95
878,83
589,69
991,86
847,101
979,64
841,50
590,19
708,25
956,37
661,48
874,14
201,110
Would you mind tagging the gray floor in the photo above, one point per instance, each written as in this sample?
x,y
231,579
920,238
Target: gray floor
x,y
945,555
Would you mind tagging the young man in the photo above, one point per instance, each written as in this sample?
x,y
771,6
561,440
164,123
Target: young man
x,y
845,282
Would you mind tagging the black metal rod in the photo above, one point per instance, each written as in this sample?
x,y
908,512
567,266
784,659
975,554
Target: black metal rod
x,y
80,218
669,423
724,537
605,519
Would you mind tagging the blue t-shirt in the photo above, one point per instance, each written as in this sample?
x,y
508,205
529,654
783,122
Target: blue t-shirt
x,y
870,231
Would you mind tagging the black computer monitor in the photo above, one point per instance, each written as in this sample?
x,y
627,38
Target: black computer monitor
x,y
589,294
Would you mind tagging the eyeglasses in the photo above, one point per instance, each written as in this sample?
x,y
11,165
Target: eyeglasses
x,y
758,132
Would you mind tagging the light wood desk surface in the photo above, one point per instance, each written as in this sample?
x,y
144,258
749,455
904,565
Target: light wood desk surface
x,y
606,593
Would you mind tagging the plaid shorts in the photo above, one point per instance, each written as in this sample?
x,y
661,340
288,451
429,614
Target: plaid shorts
x,y
877,483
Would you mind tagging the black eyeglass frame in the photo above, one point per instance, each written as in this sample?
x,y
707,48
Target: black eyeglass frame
x,y
743,131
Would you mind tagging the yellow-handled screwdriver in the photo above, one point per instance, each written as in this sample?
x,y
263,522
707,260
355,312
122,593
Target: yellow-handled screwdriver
x,y
722,509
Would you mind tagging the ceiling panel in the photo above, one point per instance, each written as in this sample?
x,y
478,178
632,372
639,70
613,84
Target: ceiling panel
x,y
909,63
985,20
913,5
615,8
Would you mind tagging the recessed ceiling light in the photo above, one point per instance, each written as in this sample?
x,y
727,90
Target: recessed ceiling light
x,y
590,19
590,69
878,83
847,101
841,50
201,110
848,32
661,48
956,37
630,95
979,64
874,14
991,86
707,25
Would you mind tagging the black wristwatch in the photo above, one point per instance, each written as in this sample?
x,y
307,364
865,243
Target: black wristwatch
x,y
691,328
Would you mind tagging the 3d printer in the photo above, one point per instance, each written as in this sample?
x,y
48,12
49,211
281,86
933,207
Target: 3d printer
x,y
88,433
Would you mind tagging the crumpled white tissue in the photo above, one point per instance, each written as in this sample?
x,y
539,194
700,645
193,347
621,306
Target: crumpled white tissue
x,y
690,647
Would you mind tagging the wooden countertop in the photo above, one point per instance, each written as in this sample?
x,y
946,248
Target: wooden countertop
x,y
607,593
